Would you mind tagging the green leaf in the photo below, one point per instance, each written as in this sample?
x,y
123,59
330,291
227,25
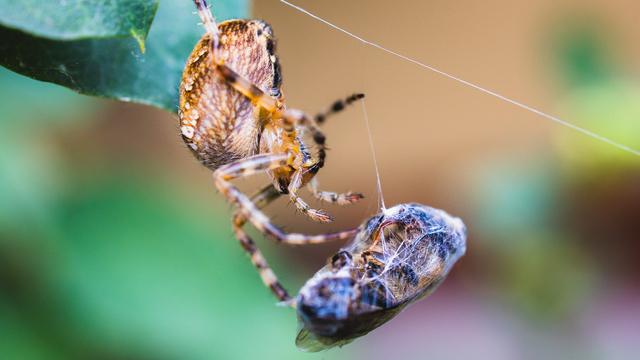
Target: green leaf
x,y
73,20
115,68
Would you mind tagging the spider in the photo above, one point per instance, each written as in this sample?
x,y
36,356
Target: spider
x,y
234,121
398,257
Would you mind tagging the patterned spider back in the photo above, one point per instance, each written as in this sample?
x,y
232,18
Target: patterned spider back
x,y
218,123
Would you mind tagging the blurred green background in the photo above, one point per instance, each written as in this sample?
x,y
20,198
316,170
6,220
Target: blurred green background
x,y
114,243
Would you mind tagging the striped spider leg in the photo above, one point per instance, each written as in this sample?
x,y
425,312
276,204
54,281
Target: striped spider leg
x,y
320,118
268,194
260,200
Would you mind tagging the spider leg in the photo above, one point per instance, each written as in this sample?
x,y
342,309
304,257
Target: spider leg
x,y
252,165
266,274
336,107
236,80
332,197
265,196
247,88
296,183
293,117
209,23
261,199
249,209
290,119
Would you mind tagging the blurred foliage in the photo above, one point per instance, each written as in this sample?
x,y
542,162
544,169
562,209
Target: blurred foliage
x,y
547,275
557,228
33,177
580,49
125,273
539,267
99,61
611,109
601,97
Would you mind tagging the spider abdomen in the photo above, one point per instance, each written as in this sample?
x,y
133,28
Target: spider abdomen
x,y
219,124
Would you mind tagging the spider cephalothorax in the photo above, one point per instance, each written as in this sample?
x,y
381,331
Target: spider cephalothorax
x,y
233,118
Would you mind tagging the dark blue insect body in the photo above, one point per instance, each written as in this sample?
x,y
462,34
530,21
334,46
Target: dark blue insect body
x,y
398,257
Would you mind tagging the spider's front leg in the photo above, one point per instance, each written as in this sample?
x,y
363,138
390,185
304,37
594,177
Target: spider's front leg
x,y
253,165
291,118
298,117
332,197
320,118
236,80
248,210
336,107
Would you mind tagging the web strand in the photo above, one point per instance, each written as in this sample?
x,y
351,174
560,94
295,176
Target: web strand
x,y
587,132
375,163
